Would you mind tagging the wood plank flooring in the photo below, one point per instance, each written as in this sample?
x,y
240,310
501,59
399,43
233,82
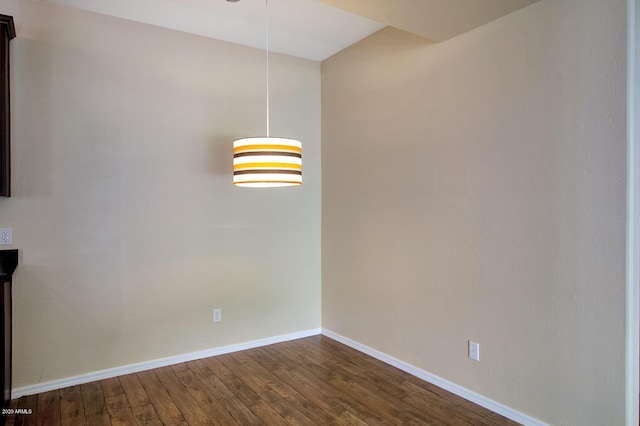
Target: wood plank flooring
x,y
311,381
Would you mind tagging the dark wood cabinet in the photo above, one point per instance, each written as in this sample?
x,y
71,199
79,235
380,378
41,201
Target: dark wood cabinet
x,y
8,264
7,33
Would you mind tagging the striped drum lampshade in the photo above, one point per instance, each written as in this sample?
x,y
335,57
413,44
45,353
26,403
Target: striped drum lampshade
x,y
266,162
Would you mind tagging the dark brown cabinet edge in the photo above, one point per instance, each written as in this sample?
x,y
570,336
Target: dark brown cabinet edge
x,y
8,264
7,33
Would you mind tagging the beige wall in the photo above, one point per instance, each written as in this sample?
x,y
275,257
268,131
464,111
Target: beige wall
x,y
472,189
475,190
130,229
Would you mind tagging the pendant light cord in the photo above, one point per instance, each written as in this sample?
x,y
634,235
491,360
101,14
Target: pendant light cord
x,y
267,38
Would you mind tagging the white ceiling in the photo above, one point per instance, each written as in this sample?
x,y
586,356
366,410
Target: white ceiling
x,y
311,29
437,20
304,28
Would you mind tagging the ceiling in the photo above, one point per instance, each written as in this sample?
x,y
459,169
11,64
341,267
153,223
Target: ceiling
x,y
311,29
437,20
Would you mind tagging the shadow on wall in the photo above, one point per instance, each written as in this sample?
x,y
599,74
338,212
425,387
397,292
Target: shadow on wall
x,y
220,154
30,103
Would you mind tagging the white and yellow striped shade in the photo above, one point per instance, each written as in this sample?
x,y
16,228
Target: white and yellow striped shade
x,y
267,162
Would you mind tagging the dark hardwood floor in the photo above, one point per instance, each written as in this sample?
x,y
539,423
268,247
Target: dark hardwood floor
x,y
311,381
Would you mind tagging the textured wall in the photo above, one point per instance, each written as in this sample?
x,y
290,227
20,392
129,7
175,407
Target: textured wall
x,y
475,190
130,229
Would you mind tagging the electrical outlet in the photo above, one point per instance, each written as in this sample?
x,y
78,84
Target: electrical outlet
x,y
217,315
474,350
5,237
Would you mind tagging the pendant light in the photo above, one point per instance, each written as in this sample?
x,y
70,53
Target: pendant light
x,y
267,162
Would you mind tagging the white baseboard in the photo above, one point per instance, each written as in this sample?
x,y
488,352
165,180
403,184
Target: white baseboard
x,y
163,362
467,394
156,363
